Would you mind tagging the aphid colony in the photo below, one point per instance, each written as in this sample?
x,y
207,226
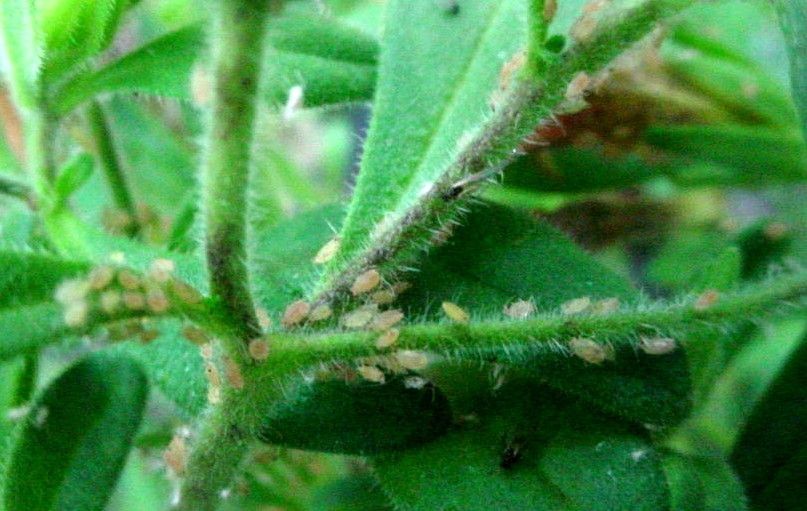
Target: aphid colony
x,y
110,290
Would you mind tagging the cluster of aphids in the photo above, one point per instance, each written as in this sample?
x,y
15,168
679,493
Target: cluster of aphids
x,y
111,291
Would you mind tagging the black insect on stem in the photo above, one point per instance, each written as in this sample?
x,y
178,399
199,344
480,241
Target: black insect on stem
x,y
512,453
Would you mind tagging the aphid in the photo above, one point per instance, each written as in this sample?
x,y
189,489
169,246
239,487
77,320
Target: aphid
x,y
110,301
583,29
327,251
128,280
521,309
214,395
706,300
320,313
264,321
577,87
657,345
455,312
161,270
550,9
100,277
509,68
233,372
294,102
117,258
186,293
206,351
588,350
512,453
576,306
134,301
201,86
386,319
75,314
212,374
71,291
157,301
195,335
606,306
258,349
400,288
415,382
295,313
412,360
387,339
371,373
148,335
383,297
366,282
360,317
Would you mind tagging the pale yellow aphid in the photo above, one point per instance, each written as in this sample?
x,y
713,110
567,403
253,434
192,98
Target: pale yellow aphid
x,y
75,314
371,373
176,455
606,306
214,395
520,309
327,251
195,335
264,321
110,301
234,376
128,280
206,351
100,277
657,345
386,320
366,282
134,301
387,339
412,360
161,270
157,301
320,313
186,293
578,86
576,306
588,350
295,313
550,9
71,291
707,299
360,317
258,349
212,374
383,297
455,312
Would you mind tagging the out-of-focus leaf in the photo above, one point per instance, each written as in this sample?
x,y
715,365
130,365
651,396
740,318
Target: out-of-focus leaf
x,y
20,50
358,418
770,455
73,175
703,484
793,17
70,451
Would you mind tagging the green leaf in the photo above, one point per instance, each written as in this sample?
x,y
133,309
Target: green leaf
x,y
70,451
526,448
437,71
332,62
703,484
21,50
73,176
770,455
793,17
358,417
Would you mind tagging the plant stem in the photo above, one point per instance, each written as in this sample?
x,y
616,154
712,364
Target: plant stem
x,y
237,52
14,188
39,134
108,158
793,18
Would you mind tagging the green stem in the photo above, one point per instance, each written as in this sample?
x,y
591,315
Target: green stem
x,y
110,164
538,26
793,18
39,132
14,188
237,52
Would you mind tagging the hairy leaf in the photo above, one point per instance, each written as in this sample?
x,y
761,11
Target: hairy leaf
x,y
76,438
358,417
526,448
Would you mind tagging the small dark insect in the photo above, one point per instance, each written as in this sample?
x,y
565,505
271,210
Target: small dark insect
x,y
512,453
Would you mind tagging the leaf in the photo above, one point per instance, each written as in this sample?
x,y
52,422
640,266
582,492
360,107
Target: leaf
x,y
73,175
770,455
436,73
793,18
358,417
334,64
703,484
528,448
70,451
21,50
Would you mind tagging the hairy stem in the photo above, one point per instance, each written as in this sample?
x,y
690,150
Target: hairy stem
x,y
237,40
108,158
